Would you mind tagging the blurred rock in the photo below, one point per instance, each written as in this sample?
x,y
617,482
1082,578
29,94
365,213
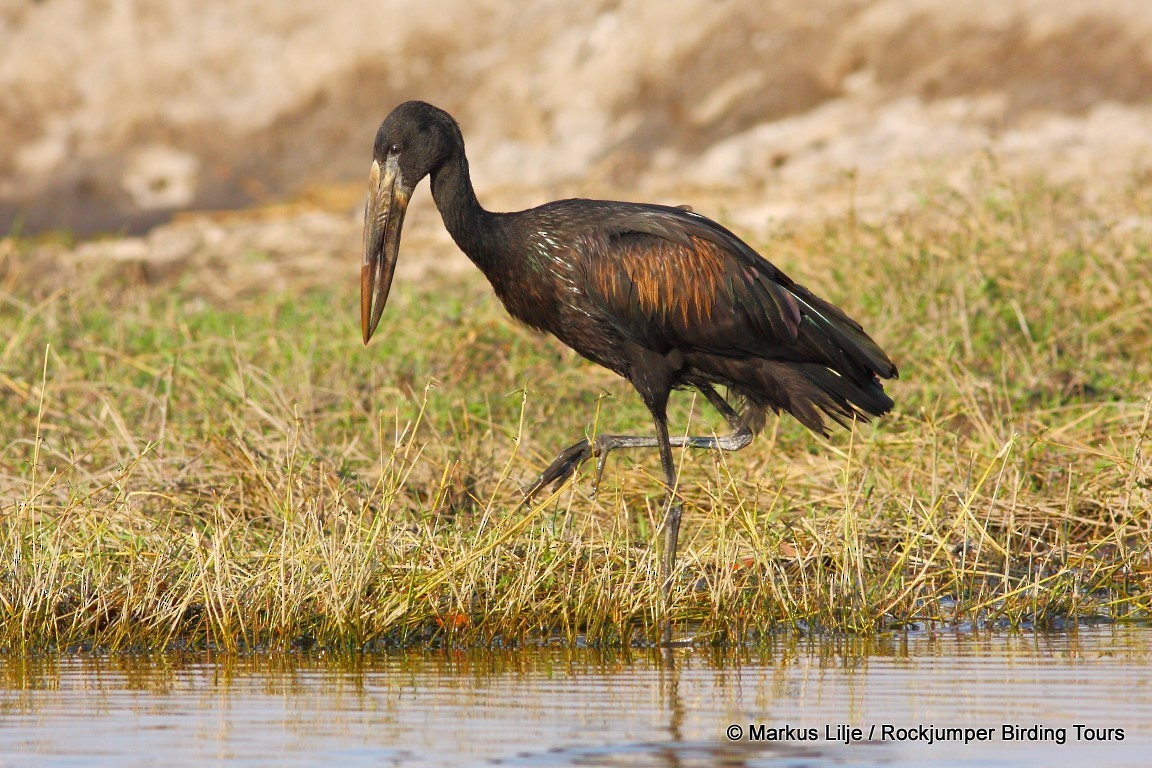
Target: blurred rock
x,y
161,177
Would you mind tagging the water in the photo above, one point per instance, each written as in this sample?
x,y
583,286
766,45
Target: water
x,y
562,707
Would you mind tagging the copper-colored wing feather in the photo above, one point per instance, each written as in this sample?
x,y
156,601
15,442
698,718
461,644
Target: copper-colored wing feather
x,y
670,279
664,294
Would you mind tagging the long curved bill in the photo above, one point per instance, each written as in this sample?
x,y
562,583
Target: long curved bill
x,y
383,220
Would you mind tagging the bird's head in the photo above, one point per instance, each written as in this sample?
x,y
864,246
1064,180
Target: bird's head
x,y
413,142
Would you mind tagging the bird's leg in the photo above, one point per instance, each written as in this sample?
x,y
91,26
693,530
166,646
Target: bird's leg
x,y
670,528
575,455
578,453
599,446
722,405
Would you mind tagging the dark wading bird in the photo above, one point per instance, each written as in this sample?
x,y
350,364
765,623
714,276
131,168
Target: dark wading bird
x,y
664,297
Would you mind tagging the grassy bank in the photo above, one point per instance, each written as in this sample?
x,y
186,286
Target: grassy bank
x,y
175,472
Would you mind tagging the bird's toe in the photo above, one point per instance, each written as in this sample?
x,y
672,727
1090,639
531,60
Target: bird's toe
x,y
562,468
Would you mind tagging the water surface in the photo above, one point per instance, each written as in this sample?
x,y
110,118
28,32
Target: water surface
x,y
572,707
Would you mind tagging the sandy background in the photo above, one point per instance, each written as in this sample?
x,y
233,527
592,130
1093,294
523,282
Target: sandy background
x,y
119,113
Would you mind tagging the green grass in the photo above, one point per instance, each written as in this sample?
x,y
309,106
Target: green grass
x,y
176,473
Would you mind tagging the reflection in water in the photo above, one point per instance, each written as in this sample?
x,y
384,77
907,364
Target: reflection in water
x,y
555,707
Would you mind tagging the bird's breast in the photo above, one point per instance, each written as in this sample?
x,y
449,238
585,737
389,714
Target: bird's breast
x,y
530,295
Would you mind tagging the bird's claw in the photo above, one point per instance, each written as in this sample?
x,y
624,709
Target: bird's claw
x,y
563,467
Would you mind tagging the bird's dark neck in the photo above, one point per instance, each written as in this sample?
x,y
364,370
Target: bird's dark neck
x,y
496,243
475,230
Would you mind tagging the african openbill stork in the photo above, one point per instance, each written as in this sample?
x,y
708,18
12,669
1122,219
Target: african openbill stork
x,y
664,297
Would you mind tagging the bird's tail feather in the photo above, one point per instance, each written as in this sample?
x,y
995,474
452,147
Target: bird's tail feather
x,y
840,338
809,392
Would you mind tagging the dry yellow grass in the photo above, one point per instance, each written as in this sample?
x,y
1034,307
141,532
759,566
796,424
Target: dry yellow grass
x,y
175,473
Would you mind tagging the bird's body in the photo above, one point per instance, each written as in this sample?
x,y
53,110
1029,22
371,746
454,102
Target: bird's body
x,y
635,286
664,297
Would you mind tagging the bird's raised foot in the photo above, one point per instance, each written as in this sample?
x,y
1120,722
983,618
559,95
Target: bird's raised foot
x,y
562,468
575,455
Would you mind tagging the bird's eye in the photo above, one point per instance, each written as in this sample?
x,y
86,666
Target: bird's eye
x,y
394,149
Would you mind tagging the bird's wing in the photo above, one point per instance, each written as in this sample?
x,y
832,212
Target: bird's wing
x,y
671,279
